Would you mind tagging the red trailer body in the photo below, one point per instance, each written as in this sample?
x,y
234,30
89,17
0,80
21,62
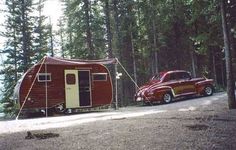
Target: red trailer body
x,y
63,83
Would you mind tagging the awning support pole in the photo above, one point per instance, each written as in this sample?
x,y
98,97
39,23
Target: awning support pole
x,y
127,73
46,90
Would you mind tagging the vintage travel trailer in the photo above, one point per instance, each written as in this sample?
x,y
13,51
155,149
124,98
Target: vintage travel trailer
x,y
64,83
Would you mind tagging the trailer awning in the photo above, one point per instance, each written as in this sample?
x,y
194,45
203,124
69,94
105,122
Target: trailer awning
x,y
63,61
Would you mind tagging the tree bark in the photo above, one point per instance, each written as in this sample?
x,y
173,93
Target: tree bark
x,y
228,61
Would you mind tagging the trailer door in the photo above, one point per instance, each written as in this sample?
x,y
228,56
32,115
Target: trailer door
x,y
84,88
72,89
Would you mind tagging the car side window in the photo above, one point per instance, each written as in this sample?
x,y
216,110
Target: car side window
x,y
184,76
173,77
178,76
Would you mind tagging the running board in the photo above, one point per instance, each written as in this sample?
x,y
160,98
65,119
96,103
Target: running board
x,y
185,94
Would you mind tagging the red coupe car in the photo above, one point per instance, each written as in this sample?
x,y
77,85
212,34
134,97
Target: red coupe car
x,y
172,84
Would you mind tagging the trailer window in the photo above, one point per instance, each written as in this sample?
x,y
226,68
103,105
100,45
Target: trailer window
x,y
99,76
43,77
70,79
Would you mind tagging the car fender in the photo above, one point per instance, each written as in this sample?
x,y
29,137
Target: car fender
x,y
202,84
161,90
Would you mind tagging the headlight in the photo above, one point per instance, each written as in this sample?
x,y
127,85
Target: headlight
x,y
139,99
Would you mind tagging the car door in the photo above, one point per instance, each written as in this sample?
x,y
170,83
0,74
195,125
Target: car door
x,y
173,81
187,85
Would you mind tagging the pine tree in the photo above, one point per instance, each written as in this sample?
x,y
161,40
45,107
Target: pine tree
x,y
11,50
41,33
26,27
18,48
85,29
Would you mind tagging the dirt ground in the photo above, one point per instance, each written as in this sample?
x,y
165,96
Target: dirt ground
x,y
207,127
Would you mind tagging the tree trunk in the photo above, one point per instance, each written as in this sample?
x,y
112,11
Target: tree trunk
x,y
193,63
113,67
194,59
15,50
228,62
24,37
118,47
177,35
88,30
70,48
117,30
133,56
70,38
108,27
154,53
223,73
61,37
51,38
214,66
40,28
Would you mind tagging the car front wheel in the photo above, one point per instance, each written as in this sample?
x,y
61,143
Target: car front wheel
x,y
208,91
167,98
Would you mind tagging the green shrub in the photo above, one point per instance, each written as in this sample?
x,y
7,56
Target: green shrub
x,y
9,109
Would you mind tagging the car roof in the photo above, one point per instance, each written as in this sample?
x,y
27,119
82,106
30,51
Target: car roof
x,y
172,71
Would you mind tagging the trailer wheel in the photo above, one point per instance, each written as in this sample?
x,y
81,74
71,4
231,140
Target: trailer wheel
x,y
60,108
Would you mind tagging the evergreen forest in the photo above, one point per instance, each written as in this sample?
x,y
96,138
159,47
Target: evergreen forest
x,y
147,36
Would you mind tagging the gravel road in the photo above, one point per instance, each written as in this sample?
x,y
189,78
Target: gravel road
x,y
200,123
